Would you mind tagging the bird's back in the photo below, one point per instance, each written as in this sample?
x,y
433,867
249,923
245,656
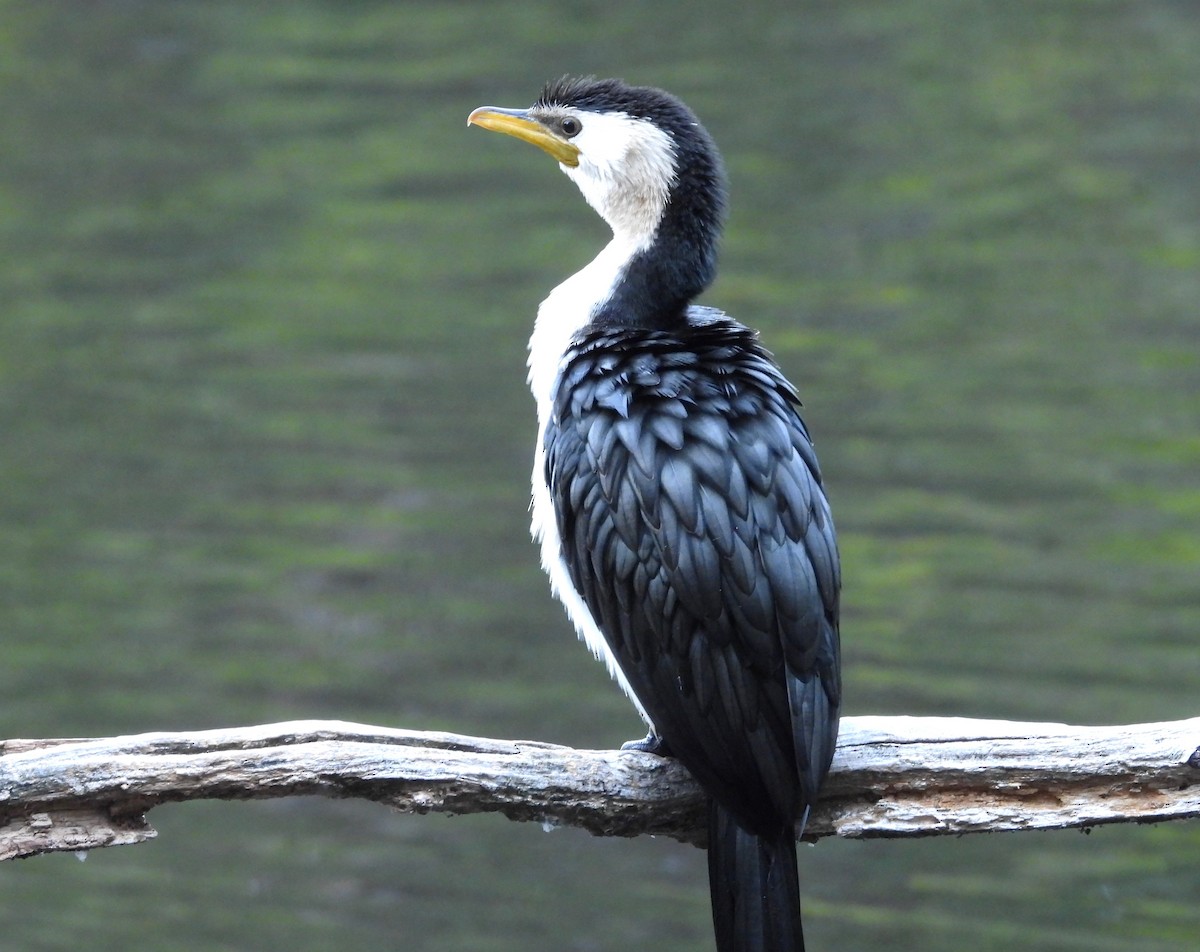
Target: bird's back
x,y
693,523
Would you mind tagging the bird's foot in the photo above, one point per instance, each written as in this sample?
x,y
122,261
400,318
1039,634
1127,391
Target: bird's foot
x,y
650,744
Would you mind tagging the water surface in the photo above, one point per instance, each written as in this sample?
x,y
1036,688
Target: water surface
x,y
266,437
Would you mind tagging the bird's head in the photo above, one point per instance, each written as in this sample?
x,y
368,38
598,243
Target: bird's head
x,y
638,154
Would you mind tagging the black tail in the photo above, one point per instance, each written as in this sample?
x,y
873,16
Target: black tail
x,y
755,887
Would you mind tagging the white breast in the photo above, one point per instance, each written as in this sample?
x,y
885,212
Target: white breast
x,y
567,309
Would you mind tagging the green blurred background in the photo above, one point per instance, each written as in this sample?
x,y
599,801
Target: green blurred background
x,y
266,438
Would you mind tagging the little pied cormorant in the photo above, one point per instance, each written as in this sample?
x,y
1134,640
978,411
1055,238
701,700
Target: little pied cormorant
x,y
677,497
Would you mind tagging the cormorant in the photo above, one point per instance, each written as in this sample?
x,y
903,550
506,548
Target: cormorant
x,y
677,497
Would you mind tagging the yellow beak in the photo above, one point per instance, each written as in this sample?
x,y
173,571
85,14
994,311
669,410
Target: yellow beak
x,y
517,122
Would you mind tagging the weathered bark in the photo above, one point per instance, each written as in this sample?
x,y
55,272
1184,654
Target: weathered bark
x,y
892,776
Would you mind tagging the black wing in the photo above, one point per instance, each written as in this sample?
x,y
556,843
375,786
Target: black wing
x,y
694,525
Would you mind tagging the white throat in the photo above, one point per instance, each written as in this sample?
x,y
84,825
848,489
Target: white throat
x,y
626,170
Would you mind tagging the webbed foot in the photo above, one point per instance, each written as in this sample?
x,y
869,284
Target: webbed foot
x,y
650,744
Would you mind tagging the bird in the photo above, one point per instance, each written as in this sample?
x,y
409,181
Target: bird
x,y
677,498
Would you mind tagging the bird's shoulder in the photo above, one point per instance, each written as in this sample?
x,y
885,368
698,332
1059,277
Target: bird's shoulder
x,y
711,363
682,395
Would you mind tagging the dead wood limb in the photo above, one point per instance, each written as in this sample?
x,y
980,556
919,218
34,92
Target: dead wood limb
x,y
893,776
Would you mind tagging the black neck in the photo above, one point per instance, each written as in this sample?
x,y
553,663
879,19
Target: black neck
x,y
658,283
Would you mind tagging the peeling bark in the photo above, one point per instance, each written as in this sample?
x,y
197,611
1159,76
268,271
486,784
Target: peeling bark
x,y
891,777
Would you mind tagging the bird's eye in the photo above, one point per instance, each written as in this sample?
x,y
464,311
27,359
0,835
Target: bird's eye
x,y
570,126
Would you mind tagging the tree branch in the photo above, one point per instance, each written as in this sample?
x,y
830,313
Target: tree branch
x,y
892,776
